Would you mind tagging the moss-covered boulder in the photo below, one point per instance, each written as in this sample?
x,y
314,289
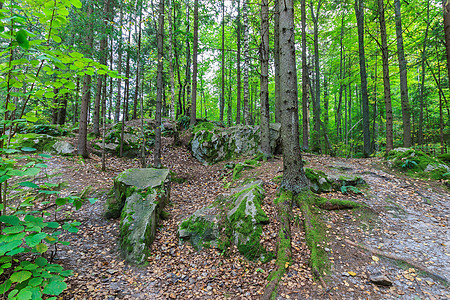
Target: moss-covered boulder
x,y
235,218
140,196
211,143
63,148
417,163
323,183
41,142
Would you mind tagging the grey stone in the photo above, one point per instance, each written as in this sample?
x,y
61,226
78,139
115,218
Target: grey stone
x,y
435,166
63,147
379,278
140,195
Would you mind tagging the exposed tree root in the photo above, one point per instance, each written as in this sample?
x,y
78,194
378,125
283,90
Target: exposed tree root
x,y
284,250
400,259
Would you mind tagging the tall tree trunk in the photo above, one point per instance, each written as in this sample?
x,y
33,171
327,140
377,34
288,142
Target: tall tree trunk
x,y
305,80
247,120
341,78
406,111
441,114
138,64
172,79
62,111
86,97
188,61
238,63
127,80
222,93
446,11
422,84
194,70
359,10
230,94
276,58
294,178
159,92
316,103
386,81
264,79
119,67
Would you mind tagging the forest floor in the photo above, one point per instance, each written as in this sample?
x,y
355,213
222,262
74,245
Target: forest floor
x,y
405,217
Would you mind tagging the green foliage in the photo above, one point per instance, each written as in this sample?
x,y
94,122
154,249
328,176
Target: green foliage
x,y
409,164
349,188
183,122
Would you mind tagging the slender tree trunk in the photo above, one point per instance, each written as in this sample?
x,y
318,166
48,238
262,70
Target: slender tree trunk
x,y
127,80
359,10
119,67
62,111
238,63
422,84
446,11
406,111
222,93
305,80
386,81
441,115
172,78
341,78
138,64
194,71
264,79
276,58
75,103
294,178
316,103
159,93
188,61
247,117
230,95
86,96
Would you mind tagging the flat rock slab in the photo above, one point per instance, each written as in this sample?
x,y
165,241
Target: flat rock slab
x,y
140,196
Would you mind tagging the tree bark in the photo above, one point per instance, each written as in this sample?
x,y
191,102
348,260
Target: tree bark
x,y
446,10
119,68
188,61
294,178
422,84
406,111
359,10
159,92
247,117
194,70
276,58
264,79
305,80
386,81
171,73
316,100
238,63
222,93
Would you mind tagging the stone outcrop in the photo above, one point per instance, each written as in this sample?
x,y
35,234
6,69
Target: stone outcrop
x,y
235,218
211,143
63,148
323,183
140,196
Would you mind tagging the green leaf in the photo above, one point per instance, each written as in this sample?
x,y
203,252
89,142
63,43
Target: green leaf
x,y
4,178
40,261
11,107
14,229
53,225
5,286
45,155
15,251
35,281
9,246
76,3
35,238
41,248
24,294
12,237
55,287
61,201
92,200
28,149
20,276
56,38
21,38
29,184
11,220
31,172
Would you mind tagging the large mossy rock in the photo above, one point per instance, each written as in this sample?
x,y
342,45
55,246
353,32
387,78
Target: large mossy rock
x,y
63,148
234,218
211,143
140,196
41,142
323,183
417,163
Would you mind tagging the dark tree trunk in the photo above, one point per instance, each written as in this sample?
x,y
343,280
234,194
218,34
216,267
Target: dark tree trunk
x,y
294,178
264,79
194,71
276,58
238,63
305,81
422,84
406,112
188,63
119,67
386,81
222,93
316,99
359,10
446,10
159,93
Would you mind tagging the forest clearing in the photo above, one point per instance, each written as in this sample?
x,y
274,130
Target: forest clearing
x,y
226,149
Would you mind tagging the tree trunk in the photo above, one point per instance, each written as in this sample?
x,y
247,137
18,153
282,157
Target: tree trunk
x,y
119,68
294,178
85,99
222,93
305,80
341,78
188,62
127,80
316,99
159,92
247,120
172,78
359,10
422,85
276,58
386,81
138,65
238,63
264,79
406,112
446,10
194,71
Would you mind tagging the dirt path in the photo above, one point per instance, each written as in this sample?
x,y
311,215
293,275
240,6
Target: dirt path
x,y
403,216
